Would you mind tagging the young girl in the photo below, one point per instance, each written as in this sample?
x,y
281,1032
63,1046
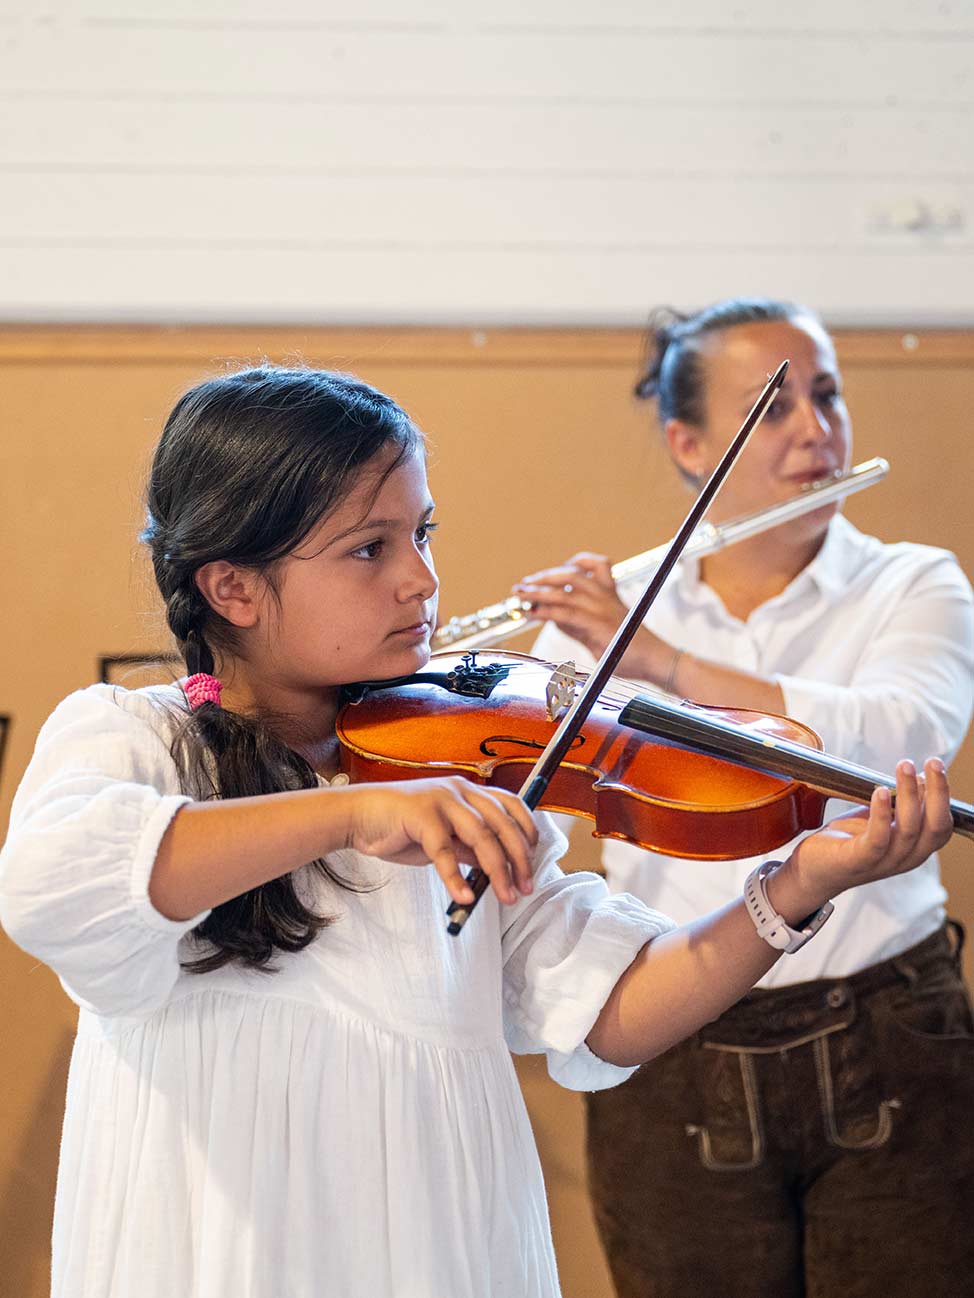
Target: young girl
x,y
288,1079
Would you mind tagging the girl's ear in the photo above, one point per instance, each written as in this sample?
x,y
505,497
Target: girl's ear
x,y
230,591
685,443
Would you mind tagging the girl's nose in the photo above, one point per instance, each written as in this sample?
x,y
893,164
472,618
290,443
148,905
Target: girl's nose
x,y
421,581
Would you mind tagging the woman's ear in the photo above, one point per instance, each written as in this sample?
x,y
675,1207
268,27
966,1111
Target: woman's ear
x,y
230,591
685,444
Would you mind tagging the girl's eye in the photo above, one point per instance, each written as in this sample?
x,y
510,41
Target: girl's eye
x,y
828,396
424,533
371,550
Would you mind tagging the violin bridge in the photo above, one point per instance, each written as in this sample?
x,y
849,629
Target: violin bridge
x,y
560,690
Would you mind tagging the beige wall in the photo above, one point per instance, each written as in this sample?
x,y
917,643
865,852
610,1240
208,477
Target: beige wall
x,y
537,451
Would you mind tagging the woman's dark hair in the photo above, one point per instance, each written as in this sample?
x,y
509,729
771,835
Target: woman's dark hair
x,y
673,370
248,465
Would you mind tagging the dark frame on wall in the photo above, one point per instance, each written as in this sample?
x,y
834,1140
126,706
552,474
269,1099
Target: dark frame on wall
x,y
110,666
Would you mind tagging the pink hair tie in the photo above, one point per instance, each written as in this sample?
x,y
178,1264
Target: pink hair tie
x,y
202,688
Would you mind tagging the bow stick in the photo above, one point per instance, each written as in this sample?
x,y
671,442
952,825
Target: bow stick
x,y
533,788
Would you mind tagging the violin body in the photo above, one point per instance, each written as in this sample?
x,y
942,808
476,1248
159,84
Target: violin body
x,y
487,716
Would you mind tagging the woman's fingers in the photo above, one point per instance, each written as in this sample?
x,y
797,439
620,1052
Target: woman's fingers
x,y
577,594
594,567
583,584
556,578
575,619
580,598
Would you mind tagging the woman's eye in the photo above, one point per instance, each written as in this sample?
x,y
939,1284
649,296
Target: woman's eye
x,y
828,396
425,532
777,411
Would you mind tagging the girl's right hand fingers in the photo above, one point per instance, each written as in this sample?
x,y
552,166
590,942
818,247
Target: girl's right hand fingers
x,y
509,819
449,822
443,855
486,835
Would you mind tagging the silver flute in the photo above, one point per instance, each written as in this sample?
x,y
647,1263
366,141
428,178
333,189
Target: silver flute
x,y
490,625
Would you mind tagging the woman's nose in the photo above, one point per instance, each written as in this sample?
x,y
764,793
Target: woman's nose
x,y
815,423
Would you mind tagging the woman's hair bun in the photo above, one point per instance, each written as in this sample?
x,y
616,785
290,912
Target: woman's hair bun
x,y
673,372
661,328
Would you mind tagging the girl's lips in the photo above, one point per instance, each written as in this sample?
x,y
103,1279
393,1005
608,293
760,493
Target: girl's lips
x,y
414,629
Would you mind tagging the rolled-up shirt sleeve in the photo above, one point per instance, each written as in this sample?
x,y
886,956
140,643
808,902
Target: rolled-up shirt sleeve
x,y
912,690
564,949
86,823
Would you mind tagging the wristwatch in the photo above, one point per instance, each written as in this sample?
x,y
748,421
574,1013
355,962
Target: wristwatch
x,y
769,924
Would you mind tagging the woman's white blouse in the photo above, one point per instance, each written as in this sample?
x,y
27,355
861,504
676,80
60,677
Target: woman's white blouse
x,y
872,646
349,1125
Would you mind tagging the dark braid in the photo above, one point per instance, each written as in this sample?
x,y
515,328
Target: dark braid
x,y
247,466
197,654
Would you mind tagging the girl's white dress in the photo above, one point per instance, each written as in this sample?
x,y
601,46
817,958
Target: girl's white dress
x,y
349,1126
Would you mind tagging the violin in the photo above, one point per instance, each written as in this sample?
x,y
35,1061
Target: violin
x,y
783,791
700,782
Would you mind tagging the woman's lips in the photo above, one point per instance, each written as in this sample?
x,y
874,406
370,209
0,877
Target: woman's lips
x,y
813,475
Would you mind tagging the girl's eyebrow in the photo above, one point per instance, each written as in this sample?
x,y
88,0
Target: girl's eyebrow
x,y
370,523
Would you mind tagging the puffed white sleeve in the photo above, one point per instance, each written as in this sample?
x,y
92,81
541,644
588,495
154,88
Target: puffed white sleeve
x,y
912,691
564,949
85,827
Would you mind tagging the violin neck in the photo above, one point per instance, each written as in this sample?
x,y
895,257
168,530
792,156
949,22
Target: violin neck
x,y
829,775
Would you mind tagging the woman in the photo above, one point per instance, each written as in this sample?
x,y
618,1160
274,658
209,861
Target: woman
x,y
791,1146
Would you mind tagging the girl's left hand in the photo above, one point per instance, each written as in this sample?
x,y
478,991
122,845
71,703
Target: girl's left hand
x,y
868,845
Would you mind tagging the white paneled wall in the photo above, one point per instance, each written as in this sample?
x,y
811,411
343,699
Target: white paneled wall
x,y
543,161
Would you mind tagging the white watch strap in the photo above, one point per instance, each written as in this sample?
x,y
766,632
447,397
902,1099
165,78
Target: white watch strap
x,y
777,932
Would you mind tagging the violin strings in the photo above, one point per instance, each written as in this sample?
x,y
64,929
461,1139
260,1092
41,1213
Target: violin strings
x,y
623,691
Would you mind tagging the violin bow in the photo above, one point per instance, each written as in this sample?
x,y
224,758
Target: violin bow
x,y
534,787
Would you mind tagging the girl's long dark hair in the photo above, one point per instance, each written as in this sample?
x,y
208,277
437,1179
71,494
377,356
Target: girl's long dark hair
x,y
248,465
